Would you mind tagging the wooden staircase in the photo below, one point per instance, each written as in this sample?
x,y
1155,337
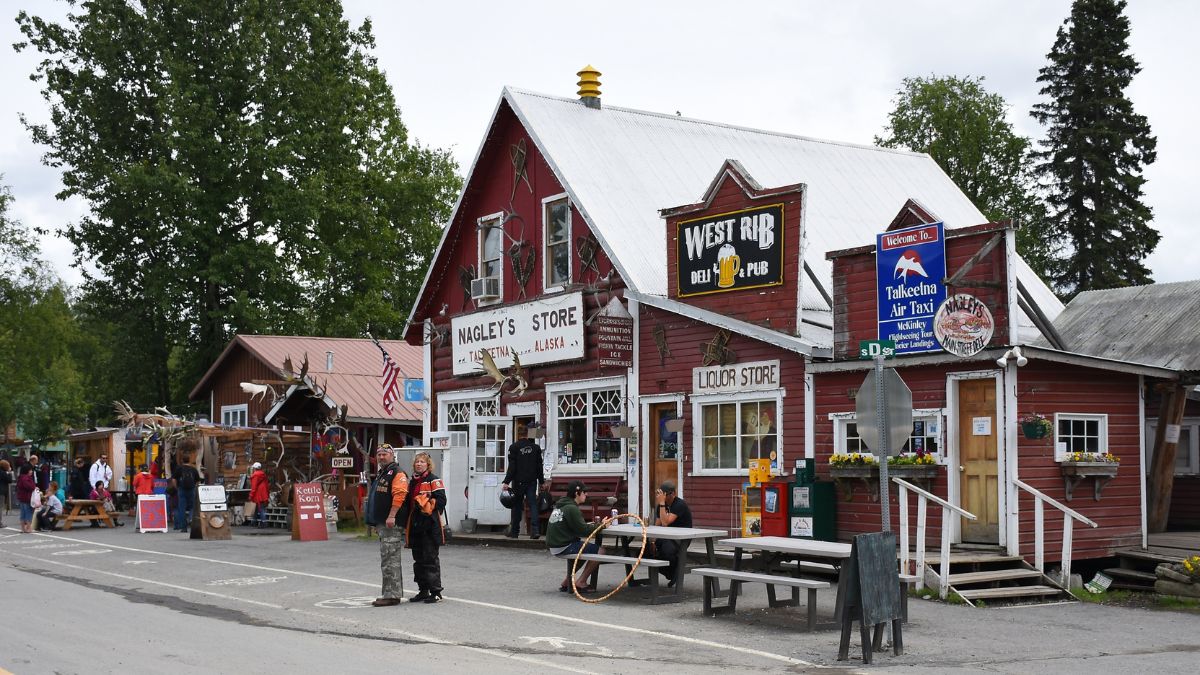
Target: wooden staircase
x,y
1136,570
992,575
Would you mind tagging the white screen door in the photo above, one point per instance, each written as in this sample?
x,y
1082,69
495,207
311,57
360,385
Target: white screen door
x,y
490,437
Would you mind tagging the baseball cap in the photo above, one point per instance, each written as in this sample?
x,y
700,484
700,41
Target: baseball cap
x,y
575,487
256,465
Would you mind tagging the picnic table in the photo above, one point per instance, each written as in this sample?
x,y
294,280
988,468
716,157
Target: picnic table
x,y
79,510
627,534
772,549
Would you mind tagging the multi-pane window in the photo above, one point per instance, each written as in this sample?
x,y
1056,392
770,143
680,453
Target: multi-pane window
x,y
1080,433
731,434
234,415
1187,450
458,418
491,249
585,423
558,243
491,447
926,436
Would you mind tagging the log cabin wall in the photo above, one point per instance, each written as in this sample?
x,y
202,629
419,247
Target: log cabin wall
x,y
240,366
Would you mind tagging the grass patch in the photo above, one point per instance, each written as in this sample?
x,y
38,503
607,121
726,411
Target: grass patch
x,y
1142,599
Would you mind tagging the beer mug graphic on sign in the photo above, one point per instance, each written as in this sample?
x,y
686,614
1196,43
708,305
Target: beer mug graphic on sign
x,y
729,263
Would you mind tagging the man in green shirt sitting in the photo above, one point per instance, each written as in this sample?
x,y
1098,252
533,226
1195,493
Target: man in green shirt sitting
x,y
565,533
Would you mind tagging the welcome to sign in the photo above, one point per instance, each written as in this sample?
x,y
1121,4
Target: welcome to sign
x,y
910,265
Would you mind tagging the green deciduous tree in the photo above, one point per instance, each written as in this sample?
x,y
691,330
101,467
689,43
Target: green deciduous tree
x,y
1095,149
963,128
246,170
41,387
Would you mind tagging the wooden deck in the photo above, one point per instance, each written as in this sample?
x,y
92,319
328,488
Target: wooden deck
x,y
1175,544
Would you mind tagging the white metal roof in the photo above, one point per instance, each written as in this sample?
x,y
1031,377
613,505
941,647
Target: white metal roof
x,y
621,166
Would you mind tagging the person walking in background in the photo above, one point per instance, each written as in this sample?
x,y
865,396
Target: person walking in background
x,y
100,471
186,477
25,488
260,493
387,497
52,508
6,479
41,472
524,474
423,527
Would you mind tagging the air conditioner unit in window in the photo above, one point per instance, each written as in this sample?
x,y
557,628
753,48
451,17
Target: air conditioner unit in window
x,y
485,289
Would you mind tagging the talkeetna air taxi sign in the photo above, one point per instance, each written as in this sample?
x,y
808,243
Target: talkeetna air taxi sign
x,y
910,265
731,251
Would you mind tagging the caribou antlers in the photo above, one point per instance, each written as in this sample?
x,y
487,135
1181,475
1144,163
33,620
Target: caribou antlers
x,y
516,374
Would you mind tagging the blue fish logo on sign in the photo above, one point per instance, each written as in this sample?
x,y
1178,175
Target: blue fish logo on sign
x,y
910,265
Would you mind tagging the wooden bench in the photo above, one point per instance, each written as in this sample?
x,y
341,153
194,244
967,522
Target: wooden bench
x,y
737,577
605,493
74,512
652,566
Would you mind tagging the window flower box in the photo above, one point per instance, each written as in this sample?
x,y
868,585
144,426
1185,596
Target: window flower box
x,y
1079,466
921,475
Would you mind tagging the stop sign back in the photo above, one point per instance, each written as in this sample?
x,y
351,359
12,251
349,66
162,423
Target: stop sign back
x,y
897,398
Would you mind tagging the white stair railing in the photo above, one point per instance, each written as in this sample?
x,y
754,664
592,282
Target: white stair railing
x,y
1039,531
948,511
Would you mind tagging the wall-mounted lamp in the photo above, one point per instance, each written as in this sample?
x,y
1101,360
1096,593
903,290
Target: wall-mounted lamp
x,y
1015,354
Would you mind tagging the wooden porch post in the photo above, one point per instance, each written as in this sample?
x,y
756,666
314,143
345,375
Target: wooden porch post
x,y
1162,465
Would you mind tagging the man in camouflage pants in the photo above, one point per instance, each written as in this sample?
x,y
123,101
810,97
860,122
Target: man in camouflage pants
x,y
387,495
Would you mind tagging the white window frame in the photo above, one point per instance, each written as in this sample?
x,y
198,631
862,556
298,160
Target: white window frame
x,y
471,396
1193,451
698,403
482,225
840,437
553,391
228,411
547,283
1061,454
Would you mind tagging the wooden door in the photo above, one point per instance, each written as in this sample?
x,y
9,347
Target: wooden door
x,y
978,454
665,449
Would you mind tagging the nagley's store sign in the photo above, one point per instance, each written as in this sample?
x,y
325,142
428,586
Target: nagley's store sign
x,y
730,252
752,376
542,331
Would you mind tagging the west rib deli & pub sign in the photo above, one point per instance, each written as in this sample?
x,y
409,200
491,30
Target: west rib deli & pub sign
x,y
731,251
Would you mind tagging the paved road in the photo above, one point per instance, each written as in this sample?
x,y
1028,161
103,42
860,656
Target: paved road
x,y
102,599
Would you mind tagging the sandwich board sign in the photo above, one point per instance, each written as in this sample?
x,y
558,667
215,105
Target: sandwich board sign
x,y
152,513
308,513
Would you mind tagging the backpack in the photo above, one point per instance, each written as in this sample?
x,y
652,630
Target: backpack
x,y
187,478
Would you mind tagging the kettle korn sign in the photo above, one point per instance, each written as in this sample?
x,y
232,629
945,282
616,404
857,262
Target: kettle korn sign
x,y
731,251
963,325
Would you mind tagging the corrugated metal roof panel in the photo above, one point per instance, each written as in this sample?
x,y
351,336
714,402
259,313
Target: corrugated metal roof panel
x,y
625,165
356,379
1155,325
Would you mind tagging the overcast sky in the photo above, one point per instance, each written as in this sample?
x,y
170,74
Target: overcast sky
x,y
826,70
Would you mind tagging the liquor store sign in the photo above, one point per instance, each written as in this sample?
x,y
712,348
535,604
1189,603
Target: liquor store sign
x,y
730,251
739,377
542,331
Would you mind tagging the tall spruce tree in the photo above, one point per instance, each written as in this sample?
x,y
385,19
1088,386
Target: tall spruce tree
x,y
246,170
1094,151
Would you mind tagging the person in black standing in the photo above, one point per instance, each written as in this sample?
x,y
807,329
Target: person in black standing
x,y
423,527
524,475
186,478
670,511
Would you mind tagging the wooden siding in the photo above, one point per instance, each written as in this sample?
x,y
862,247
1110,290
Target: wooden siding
x,y
856,303
773,306
1185,504
710,497
240,366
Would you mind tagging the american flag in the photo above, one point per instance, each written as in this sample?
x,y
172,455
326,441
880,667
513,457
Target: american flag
x,y
391,380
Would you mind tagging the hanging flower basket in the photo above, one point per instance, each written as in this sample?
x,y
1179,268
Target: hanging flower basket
x,y
1034,426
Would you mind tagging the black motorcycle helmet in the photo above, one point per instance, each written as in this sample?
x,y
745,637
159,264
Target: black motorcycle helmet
x,y
507,498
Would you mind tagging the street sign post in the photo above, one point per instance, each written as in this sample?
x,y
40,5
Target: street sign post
x,y
883,409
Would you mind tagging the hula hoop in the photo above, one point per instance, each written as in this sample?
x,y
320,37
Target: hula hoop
x,y
583,546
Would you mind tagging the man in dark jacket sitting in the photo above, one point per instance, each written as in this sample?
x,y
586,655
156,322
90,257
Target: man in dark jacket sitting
x,y
565,532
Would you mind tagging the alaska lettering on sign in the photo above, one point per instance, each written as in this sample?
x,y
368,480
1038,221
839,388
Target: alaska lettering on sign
x,y
731,251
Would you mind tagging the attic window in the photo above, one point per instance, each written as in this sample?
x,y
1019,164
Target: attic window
x,y
491,260
556,218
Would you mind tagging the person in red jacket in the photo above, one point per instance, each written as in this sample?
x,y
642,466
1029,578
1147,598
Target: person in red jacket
x,y
143,484
260,493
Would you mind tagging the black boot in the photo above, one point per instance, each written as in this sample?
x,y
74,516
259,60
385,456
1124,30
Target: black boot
x,y
434,597
421,597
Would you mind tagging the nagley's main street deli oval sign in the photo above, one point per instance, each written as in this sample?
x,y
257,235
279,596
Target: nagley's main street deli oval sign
x,y
730,251
750,376
963,325
542,331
